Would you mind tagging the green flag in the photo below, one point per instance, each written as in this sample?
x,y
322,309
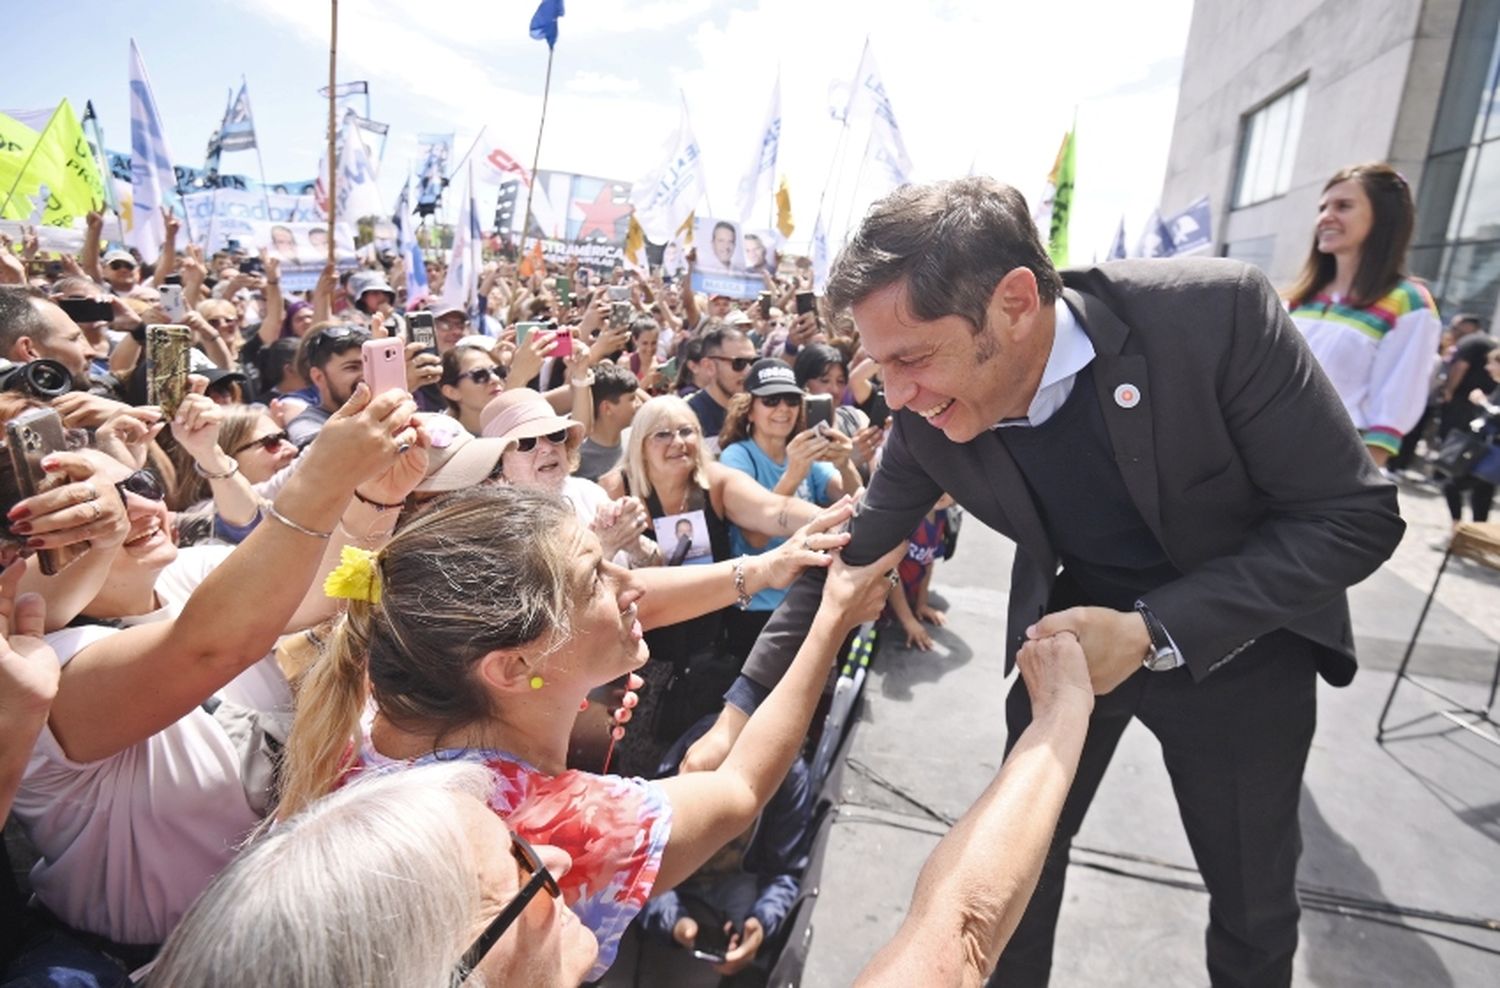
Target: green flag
x,y
1061,181
59,159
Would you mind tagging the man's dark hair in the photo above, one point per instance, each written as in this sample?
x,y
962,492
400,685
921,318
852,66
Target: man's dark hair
x,y
951,242
612,382
19,316
726,225
1470,319
718,333
319,347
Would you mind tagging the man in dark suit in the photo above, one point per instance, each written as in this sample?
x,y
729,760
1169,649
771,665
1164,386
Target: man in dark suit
x,y
1187,496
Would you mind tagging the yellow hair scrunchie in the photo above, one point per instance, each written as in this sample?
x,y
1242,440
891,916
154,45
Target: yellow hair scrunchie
x,y
355,577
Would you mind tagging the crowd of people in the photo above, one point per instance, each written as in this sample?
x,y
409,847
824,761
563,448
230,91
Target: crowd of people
x,y
461,679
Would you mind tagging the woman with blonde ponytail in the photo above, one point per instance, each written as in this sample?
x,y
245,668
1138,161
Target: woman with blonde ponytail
x,y
480,630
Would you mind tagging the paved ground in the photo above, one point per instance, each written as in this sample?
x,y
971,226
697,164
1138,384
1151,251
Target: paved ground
x,y
1414,824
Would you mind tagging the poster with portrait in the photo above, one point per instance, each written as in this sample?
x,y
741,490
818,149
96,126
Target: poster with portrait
x,y
721,267
580,216
289,227
684,539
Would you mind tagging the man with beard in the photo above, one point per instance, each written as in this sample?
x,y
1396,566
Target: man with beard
x,y
332,358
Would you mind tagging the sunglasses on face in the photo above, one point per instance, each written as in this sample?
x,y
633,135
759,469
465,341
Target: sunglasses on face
x,y
663,436
483,375
142,483
121,266
775,401
333,336
738,363
541,878
269,443
528,444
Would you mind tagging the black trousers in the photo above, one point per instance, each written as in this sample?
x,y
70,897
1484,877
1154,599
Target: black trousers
x,y
1235,746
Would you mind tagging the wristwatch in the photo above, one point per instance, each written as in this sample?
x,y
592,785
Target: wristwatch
x,y
1161,655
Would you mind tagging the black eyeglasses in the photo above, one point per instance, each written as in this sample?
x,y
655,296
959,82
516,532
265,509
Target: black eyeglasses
x,y
541,878
528,444
334,336
664,436
738,363
484,375
772,401
142,483
269,443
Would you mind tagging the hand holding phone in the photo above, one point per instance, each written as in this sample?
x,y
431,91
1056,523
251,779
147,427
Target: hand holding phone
x,y
167,364
819,411
30,438
384,362
591,744
419,327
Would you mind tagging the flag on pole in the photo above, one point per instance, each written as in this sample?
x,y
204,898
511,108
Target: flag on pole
x,y
1156,239
1117,246
358,194
434,151
237,133
635,246
885,146
417,288
533,262
784,224
1192,229
544,21
95,135
357,88
461,285
59,160
152,182
819,256
1056,204
502,167
756,188
665,197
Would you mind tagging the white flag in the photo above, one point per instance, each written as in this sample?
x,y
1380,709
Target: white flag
x,y
757,189
820,256
461,286
152,182
358,194
664,198
885,146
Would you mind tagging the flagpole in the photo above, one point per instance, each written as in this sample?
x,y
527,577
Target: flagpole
x,y
536,157
333,163
474,144
101,161
265,189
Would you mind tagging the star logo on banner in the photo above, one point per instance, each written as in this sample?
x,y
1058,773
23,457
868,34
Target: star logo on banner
x,y
602,214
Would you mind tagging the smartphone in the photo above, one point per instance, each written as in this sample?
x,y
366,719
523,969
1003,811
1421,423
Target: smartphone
x,y
171,301
384,363
619,293
87,310
764,301
806,302
167,364
619,315
564,286
591,744
419,327
31,436
669,370
252,265
562,346
819,410
877,407
712,942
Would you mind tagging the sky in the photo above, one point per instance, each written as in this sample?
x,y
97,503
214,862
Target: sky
x,y
988,87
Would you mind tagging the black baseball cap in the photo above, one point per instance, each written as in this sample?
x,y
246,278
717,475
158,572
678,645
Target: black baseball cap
x,y
770,376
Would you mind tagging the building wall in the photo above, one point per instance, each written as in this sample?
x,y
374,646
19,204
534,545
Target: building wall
x,y
1374,71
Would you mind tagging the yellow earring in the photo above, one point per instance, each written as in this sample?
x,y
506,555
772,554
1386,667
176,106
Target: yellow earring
x,y
537,683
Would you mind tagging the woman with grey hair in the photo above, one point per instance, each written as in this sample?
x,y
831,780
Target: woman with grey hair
x,y
317,901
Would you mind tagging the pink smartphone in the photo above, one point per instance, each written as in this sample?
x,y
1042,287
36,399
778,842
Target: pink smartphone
x,y
562,344
385,364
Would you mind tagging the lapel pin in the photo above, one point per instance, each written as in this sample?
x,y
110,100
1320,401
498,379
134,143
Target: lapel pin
x,y
1127,396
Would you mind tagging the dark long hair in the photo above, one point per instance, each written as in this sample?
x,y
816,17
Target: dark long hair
x,y
1382,257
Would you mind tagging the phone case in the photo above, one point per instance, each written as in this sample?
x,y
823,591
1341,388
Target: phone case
x,y
819,409
171,301
592,741
421,330
30,437
167,367
385,364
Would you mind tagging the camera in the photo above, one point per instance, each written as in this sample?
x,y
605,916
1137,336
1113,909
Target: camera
x,y
41,379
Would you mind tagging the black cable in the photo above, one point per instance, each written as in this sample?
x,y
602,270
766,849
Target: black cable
x,y
1319,898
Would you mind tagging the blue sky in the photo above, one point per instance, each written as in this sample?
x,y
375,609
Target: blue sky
x,y
971,83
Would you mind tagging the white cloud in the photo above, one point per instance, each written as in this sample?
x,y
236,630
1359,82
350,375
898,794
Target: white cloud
x,y
995,85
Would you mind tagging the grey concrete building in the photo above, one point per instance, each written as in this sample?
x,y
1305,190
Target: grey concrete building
x,y
1278,95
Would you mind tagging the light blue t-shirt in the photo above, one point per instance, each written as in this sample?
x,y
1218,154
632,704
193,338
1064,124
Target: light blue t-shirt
x,y
747,457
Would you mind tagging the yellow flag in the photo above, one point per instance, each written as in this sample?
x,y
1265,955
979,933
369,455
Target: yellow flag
x,y
635,243
59,159
784,222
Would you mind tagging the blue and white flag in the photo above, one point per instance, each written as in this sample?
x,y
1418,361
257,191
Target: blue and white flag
x,y
1156,239
757,190
664,198
461,285
433,150
544,21
357,194
238,130
417,287
885,145
152,181
819,256
1117,246
1192,229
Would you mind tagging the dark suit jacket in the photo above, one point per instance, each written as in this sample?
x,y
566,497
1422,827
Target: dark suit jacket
x,y
1239,456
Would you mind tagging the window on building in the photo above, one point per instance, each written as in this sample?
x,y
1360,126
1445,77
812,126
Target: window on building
x,y
1268,147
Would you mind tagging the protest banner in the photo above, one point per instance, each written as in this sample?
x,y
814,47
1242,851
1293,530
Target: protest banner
x,y
573,215
56,159
722,267
291,227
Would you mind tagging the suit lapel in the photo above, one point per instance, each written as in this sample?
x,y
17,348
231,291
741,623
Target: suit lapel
x,y
1124,389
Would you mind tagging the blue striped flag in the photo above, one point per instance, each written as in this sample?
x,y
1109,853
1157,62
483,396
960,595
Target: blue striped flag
x,y
152,182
